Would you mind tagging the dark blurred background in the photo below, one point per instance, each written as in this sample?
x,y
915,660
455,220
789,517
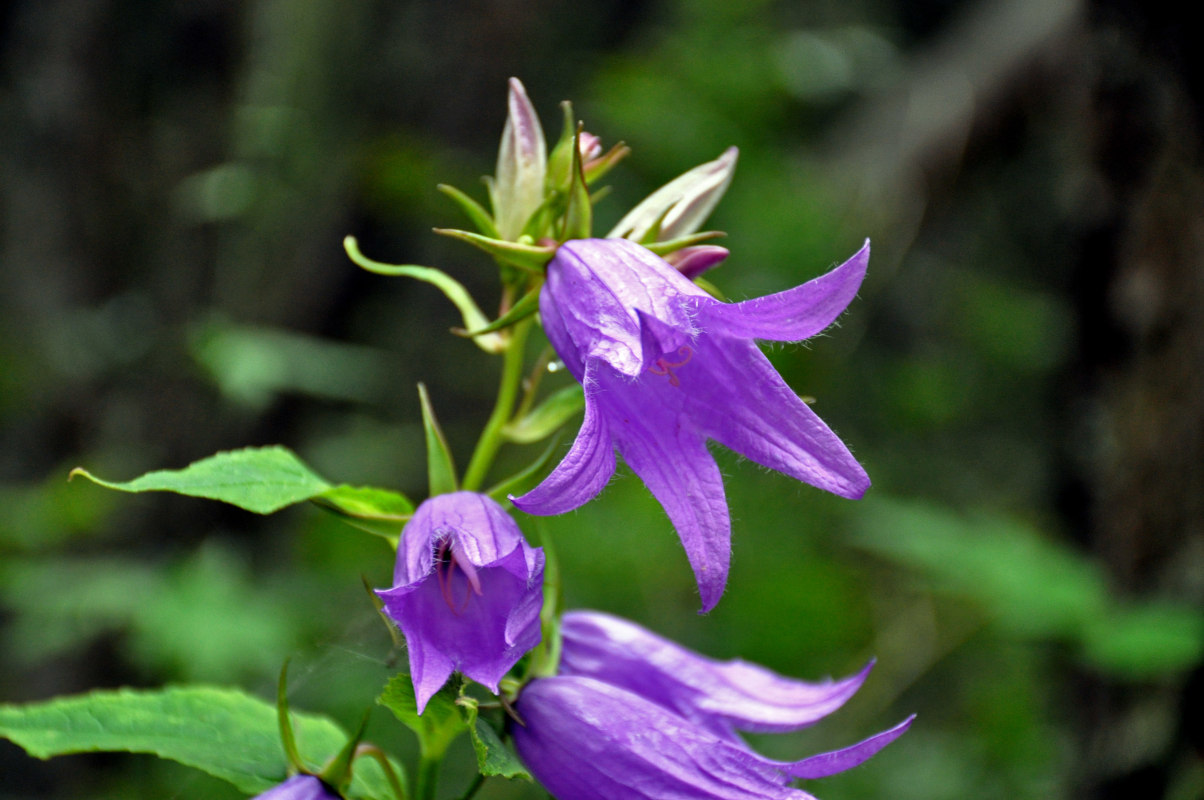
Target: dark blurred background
x,y
1022,374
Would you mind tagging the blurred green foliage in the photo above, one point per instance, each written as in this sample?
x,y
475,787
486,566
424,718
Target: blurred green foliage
x,y
176,207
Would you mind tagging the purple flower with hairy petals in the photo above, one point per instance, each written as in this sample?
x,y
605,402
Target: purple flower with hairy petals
x,y
299,787
721,697
467,590
634,716
666,367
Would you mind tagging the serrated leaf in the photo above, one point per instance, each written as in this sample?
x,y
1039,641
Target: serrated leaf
x,y
258,479
494,758
224,732
547,417
438,725
378,511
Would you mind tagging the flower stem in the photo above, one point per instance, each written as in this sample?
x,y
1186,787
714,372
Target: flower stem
x,y
427,778
491,436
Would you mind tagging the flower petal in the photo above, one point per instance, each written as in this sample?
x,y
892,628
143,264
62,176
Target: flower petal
x,y
792,315
825,764
718,695
585,469
673,462
741,402
588,740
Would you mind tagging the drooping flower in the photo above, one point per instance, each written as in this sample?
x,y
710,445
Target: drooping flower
x,y
721,697
466,592
618,724
299,787
666,367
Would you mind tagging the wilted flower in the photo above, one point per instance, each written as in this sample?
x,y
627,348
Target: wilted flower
x,y
299,787
666,367
466,592
658,721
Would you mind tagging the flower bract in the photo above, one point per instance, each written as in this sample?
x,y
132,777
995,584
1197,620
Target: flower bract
x,y
466,592
665,368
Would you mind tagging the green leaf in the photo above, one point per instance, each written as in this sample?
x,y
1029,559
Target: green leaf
x,y
259,479
1028,583
1146,641
224,732
451,288
547,417
438,725
378,511
493,757
440,469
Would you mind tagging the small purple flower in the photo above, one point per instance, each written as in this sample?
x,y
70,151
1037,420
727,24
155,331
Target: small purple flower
x,y
666,367
299,787
466,592
635,716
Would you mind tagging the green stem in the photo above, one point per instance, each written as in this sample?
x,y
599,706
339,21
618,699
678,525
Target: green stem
x,y
491,436
473,787
427,778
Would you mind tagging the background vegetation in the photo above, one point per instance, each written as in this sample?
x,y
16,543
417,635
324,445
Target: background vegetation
x,y
1021,375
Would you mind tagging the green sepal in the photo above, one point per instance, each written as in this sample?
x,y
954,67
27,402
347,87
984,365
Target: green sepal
x,y
337,772
258,479
560,161
578,216
603,164
528,257
475,212
440,469
710,288
381,512
439,723
494,758
547,417
287,740
451,288
527,305
654,230
394,632
663,249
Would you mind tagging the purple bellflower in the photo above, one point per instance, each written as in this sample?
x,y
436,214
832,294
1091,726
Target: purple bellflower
x,y
299,787
635,716
467,590
666,367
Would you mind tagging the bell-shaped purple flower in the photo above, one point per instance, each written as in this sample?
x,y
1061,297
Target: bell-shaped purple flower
x,y
299,787
467,591
634,716
722,697
666,367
